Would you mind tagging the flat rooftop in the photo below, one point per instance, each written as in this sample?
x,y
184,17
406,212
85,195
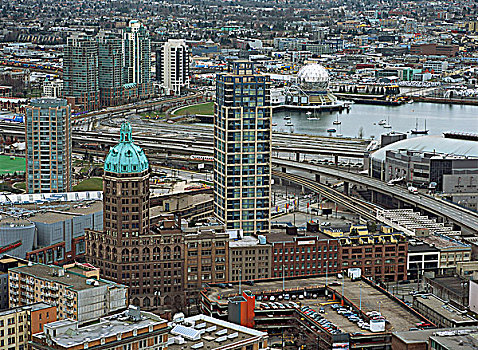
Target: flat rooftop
x,y
212,333
45,272
50,212
444,309
32,307
372,299
457,340
107,327
444,242
421,336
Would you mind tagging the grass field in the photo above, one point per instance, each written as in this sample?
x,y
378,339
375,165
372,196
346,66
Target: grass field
x,y
202,108
91,184
9,166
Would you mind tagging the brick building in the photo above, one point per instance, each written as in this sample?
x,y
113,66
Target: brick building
x,y
381,257
299,256
206,256
249,258
434,50
149,259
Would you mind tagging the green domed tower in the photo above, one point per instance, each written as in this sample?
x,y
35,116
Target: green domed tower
x,y
126,190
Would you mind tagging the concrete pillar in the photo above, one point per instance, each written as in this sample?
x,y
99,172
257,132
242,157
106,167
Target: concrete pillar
x,y
284,169
346,188
372,197
317,177
297,157
336,159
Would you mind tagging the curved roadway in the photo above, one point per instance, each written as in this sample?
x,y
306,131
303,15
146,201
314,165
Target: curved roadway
x,y
454,213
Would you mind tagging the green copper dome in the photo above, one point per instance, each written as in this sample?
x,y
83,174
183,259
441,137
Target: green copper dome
x,y
126,157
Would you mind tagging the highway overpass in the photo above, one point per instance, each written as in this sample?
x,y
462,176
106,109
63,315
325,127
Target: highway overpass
x,y
453,213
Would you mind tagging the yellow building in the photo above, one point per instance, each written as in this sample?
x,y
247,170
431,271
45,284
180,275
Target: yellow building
x,y
18,324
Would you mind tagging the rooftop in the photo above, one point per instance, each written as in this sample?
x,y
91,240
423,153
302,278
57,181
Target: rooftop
x,y
444,309
457,339
212,333
32,307
372,298
433,143
70,335
52,273
421,336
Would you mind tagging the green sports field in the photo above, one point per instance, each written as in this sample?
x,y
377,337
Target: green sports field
x,y
9,166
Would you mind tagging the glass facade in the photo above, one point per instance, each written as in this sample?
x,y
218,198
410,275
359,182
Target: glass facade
x,y
242,143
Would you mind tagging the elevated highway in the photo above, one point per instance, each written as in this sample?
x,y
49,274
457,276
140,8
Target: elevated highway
x,y
366,210
453,213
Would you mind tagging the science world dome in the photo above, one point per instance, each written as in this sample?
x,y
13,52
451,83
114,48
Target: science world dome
x,y
126,157
313,77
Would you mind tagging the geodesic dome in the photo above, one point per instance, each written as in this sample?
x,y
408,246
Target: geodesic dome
x,y
313,77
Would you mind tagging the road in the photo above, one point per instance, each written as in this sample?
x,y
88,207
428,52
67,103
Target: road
x,y
460,216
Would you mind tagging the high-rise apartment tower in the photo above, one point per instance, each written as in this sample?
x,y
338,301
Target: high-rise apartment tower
x,y
48,146
242,146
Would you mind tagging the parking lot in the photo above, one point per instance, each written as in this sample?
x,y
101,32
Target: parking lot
x,y
372,299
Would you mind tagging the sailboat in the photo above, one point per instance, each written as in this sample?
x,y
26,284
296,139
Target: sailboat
x,y
286,117
387,125
415,131
337,122
309,116
340,132
382,122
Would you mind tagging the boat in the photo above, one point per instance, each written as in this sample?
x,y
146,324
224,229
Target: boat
x,y
382,122
340,132
286,117
309,116
331,130
416,131
274,124
387,124
289,123
337,122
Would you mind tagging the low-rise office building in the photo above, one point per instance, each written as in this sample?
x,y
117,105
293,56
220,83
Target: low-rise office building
x,y
441,312
381,257
131,329
75,296
249,258
205,332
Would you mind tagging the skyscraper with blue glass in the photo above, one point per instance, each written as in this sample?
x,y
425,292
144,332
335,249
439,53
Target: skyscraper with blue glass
x,y
242,145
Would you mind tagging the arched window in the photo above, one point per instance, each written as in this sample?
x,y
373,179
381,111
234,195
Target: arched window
x,y
167,253
145,254
125,255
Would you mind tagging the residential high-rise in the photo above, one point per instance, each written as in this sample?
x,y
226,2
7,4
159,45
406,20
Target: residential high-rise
x,y
48,146
137,57
172,66
110,69
80,72
242,146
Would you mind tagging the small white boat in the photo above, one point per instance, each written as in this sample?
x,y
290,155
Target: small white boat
x,y
289,123
387,124
339,135
337,122
274,124
382,122
309,113
286,117
313,118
